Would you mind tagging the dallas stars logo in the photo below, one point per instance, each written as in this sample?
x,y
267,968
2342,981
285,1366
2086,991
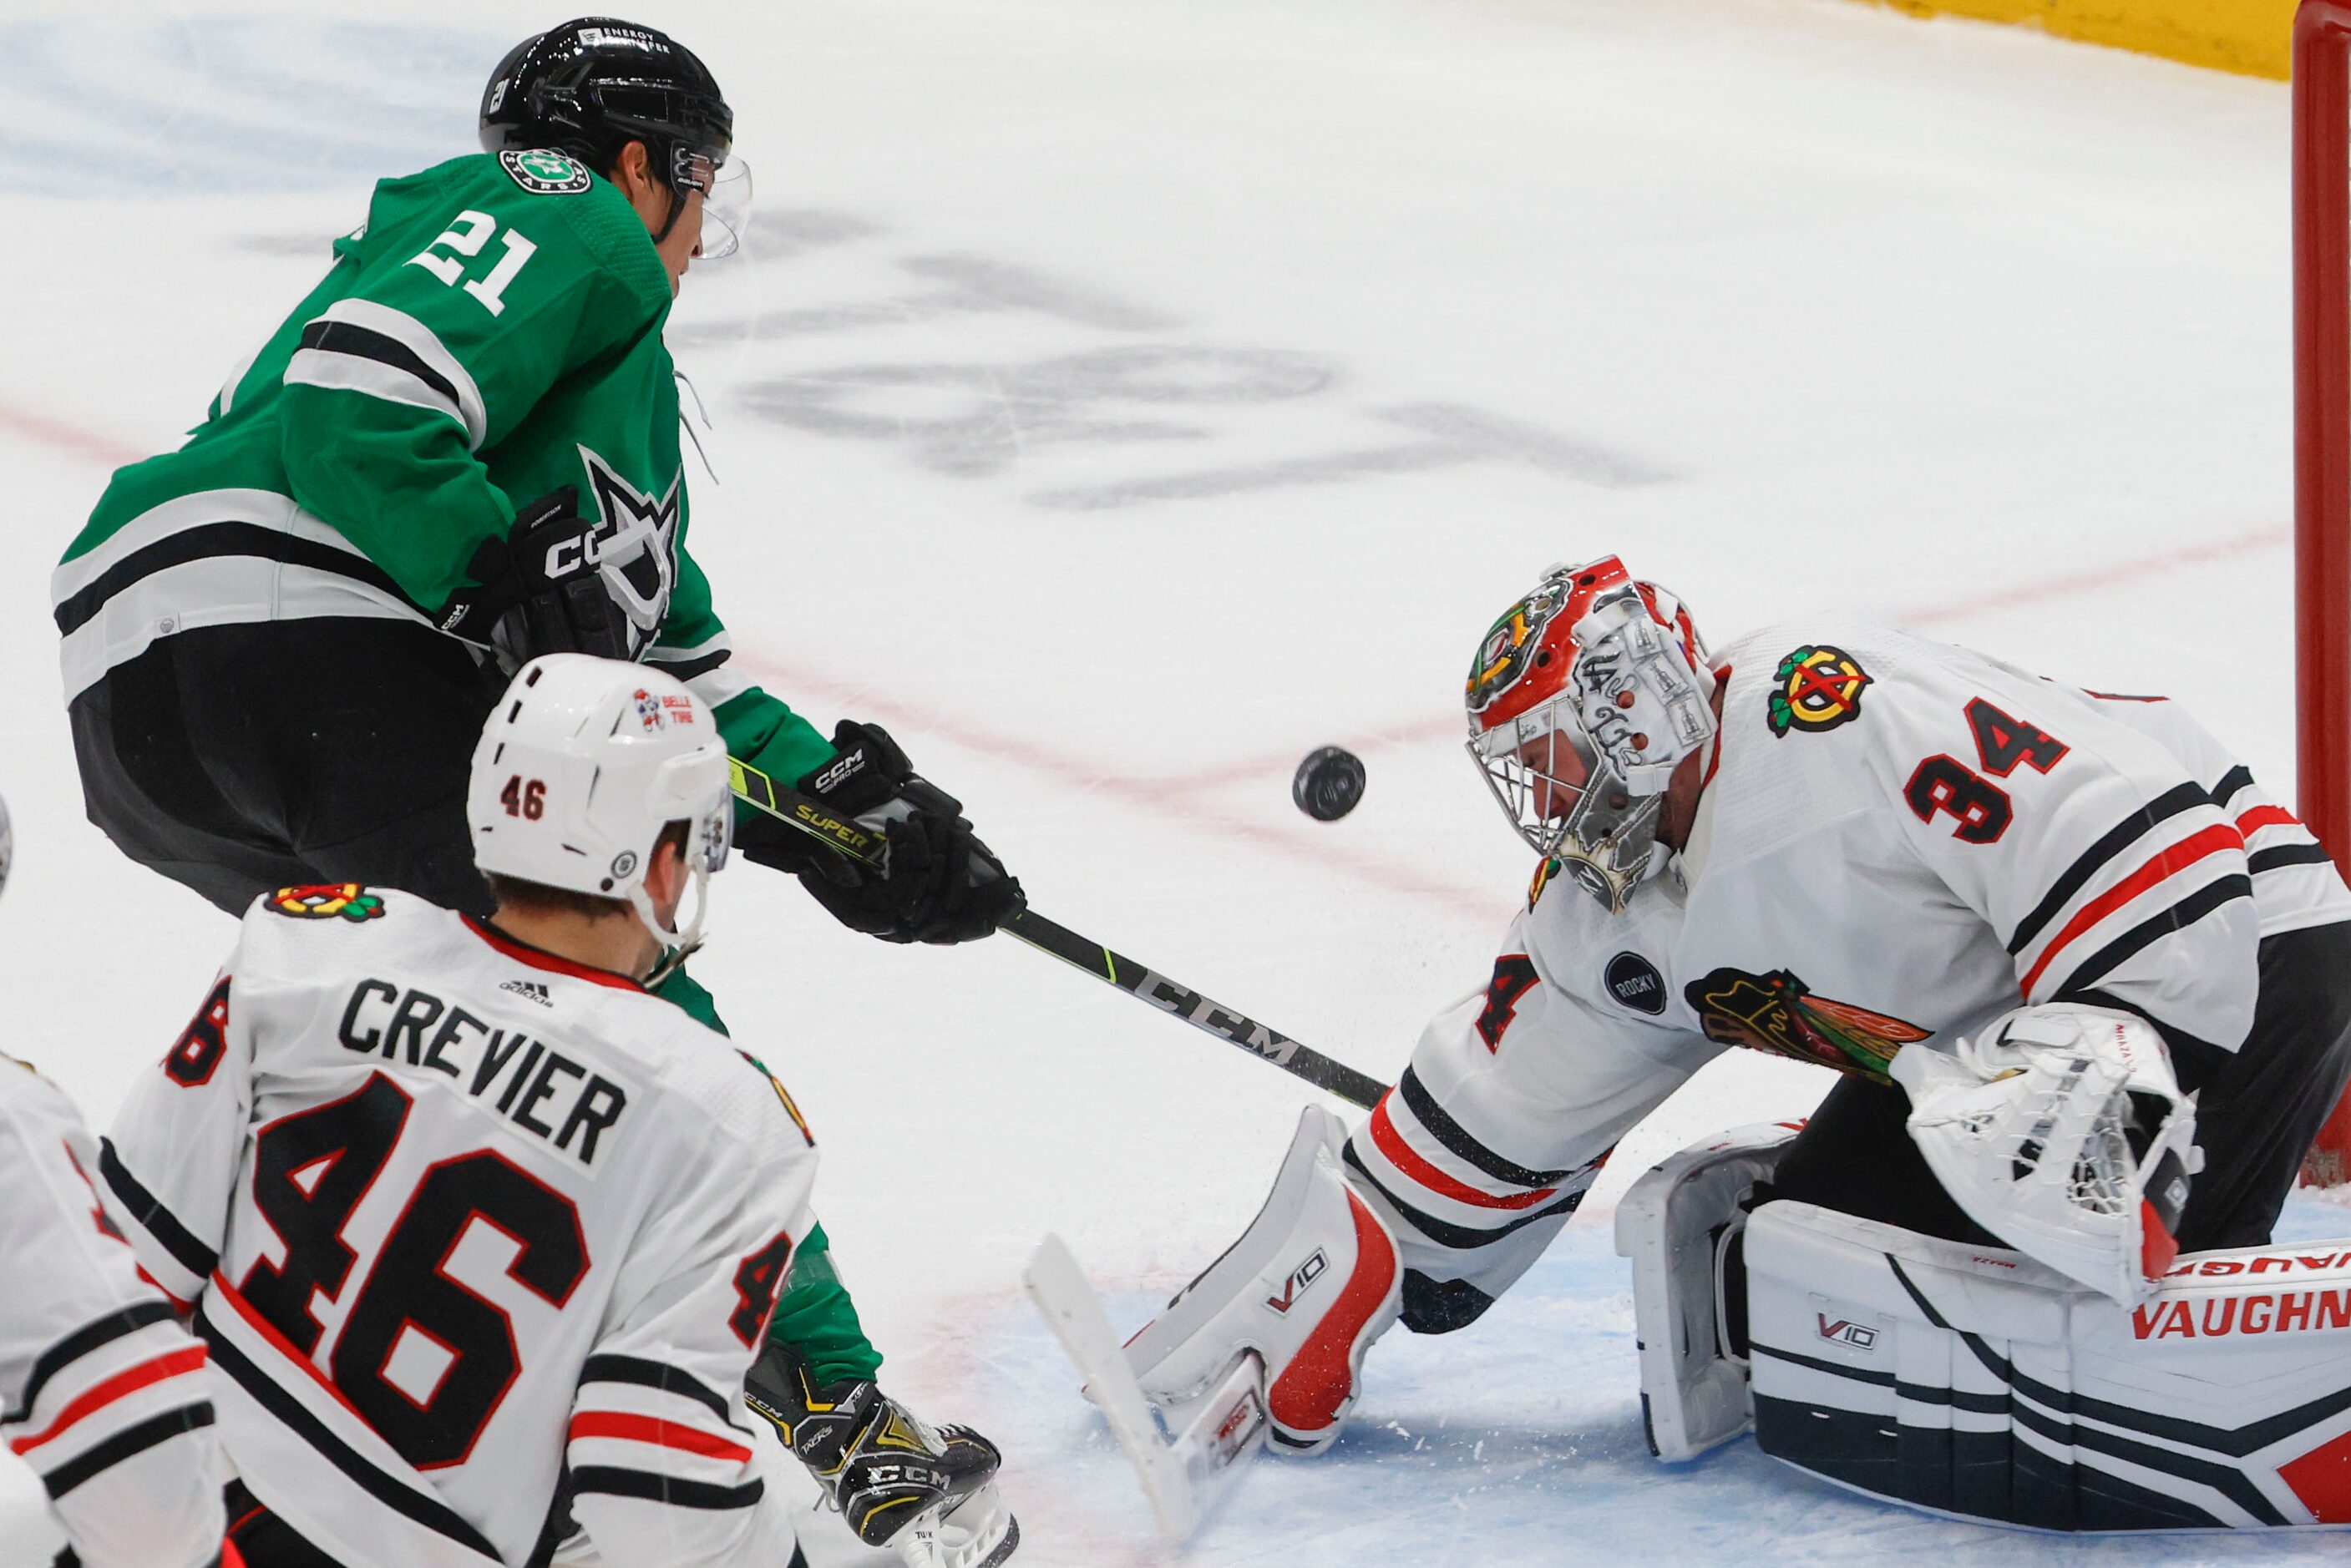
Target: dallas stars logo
x,y
637,543
1819,687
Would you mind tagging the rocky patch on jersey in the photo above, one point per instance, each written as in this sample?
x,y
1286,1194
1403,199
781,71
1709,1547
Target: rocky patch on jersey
x,y
325,900
1779,1013
543,171
1635,983
1819,687
1502,656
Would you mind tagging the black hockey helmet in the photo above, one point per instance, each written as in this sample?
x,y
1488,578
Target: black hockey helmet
x,y
590,88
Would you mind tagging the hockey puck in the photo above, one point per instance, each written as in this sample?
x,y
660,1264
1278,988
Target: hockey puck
x,y
1329,783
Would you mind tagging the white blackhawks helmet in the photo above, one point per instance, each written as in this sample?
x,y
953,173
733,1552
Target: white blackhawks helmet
x,y
584,764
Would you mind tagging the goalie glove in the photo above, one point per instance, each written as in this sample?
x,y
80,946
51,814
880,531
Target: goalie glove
x,y
894,1478
2061,1129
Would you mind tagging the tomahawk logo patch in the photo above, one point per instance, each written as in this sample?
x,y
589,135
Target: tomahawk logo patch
x,y
1635,983
543,171
323,901
1819,687
1778,1012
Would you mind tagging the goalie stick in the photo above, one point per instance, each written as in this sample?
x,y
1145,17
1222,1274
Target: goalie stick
x,y
861,845
1182,1474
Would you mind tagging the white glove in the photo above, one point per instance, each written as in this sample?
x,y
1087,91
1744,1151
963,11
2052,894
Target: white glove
x,y
2061,1129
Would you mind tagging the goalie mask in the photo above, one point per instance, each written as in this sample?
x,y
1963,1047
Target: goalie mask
x,y
1583,699
583,765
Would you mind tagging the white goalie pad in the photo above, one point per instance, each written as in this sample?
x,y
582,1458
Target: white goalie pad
x,y
1676,1223
1973,1381
2061,1130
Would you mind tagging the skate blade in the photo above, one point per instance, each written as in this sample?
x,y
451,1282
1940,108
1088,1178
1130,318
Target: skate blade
x,y
977,1533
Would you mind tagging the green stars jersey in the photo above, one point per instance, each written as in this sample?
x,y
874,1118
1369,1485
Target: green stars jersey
x,y
491,333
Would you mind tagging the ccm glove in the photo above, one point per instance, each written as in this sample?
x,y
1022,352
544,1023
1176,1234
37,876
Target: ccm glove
x,y
937,883
542,591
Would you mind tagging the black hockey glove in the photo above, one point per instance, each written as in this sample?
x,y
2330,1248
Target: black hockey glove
x,y
540,590
880,1466
939,882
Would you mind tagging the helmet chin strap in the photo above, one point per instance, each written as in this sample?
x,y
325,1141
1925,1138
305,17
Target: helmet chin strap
x,y
681,944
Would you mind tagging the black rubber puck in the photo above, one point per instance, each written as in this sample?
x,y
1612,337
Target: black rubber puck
x,y
1329,783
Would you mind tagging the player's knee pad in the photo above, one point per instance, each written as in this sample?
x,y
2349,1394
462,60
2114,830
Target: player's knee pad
x,y
1680,1224
1975,1381
1308,1287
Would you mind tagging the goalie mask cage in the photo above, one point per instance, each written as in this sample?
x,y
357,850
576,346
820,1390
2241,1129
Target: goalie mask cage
x,y
2321,348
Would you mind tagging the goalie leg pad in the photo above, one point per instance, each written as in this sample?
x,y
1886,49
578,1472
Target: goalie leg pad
x,y
1974,1381
1679,1224
1312,1281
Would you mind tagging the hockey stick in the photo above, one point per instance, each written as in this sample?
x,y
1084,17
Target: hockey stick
x,y
847,838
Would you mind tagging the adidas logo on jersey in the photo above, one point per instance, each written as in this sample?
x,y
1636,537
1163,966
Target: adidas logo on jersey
x,y
529,991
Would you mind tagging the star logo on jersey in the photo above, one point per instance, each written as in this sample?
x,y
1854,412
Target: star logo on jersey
x,y
1776,1011
1819,687
543,171
325,900
636,546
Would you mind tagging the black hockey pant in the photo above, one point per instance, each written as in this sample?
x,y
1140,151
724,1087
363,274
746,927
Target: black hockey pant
x,y
2257,1111
238,759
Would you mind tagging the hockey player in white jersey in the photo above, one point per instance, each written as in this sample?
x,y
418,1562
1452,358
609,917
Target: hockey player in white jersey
x,y
472,1222
101,1391
2090,991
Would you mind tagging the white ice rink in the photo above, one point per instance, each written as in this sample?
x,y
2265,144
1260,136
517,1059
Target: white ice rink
x,y
1119,400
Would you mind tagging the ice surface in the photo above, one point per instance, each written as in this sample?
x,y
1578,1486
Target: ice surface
x,y
1121,402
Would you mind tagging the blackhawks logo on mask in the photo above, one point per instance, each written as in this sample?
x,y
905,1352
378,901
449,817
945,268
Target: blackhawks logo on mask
x,y
1502,656
1819,687
1779,1013
325,900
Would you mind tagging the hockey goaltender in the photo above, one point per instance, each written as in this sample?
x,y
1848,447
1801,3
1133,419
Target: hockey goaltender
x,y
2089,990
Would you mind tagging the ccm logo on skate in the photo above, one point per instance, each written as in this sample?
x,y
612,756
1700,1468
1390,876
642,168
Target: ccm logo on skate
x,y
1845,1330
1302,1276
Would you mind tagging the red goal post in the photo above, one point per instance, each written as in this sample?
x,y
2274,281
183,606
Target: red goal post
x,y
2322,463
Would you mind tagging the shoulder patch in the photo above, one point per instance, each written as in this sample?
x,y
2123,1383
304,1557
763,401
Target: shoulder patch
x,y
544,171
1776,1011
324,900
782,1095
1817,688
1635,983
1544,871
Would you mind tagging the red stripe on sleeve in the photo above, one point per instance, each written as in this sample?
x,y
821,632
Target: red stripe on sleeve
x,y
99,1396
2178,857
2263,816
1400,1154
654,1430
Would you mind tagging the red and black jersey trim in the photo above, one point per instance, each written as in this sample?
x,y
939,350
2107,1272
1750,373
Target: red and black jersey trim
x,y
1445,1234
2234,781
209,541
2121,836
524,952
615,1481
159,1222
91,1337
2282,854
2181,915
658,1374
396,1495
1459,1141
132,1439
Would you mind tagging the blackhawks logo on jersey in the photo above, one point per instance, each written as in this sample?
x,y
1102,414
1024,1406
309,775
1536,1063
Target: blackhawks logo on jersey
x,y
1819,687
1779,1013
543,171
1544,871
790,1108
324,900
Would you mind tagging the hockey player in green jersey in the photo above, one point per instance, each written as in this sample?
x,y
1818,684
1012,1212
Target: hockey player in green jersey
x,y
461,450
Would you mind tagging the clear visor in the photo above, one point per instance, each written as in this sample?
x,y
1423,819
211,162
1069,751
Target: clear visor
x,y
726,190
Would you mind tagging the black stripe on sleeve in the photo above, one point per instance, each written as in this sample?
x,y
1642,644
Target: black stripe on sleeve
x,y
2180,915
157,1221
1458,1138
1460,1238
655,1375
617,1482
2116,839
80,1343
2262,860
2234,780
211,540
688,668
364,343
405,1500
132,1439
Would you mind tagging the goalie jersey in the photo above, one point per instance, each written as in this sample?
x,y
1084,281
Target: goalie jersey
x,y
1898,841
101,1392
460,1218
